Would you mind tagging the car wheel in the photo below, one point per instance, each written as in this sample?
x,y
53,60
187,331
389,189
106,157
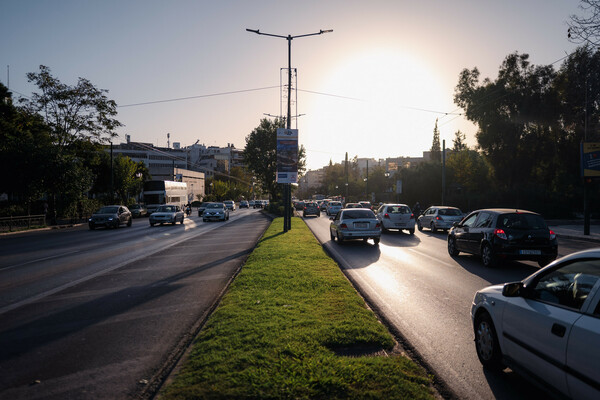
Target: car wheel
x,y
487,256
452,250
331,235
340,239
203,220
182,218
92,227
486,343
419,226
376,241
433,228
130,222
384,229
411,231
151,223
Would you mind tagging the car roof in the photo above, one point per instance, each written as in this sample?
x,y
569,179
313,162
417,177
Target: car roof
x,y
507,210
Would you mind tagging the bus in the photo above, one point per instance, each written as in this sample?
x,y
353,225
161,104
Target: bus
x,y
157,193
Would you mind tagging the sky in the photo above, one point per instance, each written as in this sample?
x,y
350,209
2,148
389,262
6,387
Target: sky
x,y
373,87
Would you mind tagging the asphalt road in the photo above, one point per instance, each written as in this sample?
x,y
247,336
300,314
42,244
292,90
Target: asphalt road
x,y
105,314
425,296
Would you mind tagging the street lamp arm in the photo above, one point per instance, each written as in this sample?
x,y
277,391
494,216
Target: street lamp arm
x,y
289,37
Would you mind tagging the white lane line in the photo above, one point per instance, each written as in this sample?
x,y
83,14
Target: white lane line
x,y
38,260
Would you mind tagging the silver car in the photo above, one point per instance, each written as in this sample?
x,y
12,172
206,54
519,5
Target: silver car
x,y
215,212
439,217
355,223
396,216
546,326
110,217
167,214
333,207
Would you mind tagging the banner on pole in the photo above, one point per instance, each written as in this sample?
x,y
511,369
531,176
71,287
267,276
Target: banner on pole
x,y
287,156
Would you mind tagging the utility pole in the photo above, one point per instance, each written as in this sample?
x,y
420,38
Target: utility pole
x,y
287,219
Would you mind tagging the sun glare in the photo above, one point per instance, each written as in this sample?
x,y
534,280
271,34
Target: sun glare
x,y
387,112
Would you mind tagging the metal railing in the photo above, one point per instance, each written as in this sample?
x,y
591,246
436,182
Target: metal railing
x,y
10,224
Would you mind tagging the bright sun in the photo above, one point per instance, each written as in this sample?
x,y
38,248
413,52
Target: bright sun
x,y
389,113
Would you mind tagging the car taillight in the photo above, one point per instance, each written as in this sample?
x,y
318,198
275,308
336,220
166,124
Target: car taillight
x,y
343,226
500,233
552,234
386,216
377,225
439,218
412,216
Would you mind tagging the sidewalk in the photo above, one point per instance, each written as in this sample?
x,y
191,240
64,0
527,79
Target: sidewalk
x,y
574,230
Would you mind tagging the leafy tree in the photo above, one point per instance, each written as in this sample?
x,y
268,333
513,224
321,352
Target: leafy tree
x,y
25,152
260,155
72,112
436,148
79,118
586,29
514,115
459,143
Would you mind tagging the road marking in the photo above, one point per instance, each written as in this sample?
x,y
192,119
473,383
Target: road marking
x,y
38,260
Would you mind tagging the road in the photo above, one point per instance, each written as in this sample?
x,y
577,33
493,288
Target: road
x,y
105,314
425,295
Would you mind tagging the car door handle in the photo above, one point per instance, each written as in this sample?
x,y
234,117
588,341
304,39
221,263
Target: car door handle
x,y
559,330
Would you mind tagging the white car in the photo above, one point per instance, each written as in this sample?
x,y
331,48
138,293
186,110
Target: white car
x,y
546,326
230,204
215,212
168,213
396,216
333,207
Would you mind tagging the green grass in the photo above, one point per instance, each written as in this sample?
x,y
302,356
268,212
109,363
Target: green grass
x,y
285,328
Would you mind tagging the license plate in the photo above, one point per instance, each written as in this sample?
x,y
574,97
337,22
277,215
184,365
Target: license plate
x,y
361,224
400,224
530,252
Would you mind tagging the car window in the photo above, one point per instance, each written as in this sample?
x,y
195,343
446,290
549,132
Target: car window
x,y
470,220
568,285
484,220
521,221
451,212
108,210
358,213
398,210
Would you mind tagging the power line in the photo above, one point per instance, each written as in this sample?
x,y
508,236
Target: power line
x,y
197,97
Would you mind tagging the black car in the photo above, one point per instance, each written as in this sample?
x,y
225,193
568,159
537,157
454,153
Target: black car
x,y
504,234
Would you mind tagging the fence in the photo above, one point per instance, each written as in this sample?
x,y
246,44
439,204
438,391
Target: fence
x,y
10,224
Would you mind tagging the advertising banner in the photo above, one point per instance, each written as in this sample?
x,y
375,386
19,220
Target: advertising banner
x,y
590,160
287,155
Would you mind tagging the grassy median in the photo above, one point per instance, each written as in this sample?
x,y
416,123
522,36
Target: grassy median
x,y
292,326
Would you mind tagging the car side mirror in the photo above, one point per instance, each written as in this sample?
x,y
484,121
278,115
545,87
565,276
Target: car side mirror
x,y
456,224
514,289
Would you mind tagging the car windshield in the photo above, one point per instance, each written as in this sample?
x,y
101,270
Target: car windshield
x,y
108,210
166,209
451,212
134,207
335,204
398,210
357,213
215,205
203,205
521,221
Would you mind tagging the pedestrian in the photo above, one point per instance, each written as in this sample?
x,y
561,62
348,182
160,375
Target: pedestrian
x,y
417,209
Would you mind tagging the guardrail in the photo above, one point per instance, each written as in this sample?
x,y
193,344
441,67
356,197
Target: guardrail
x,y
10,224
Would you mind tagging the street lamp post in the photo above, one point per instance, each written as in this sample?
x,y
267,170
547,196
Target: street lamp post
x,y
287,220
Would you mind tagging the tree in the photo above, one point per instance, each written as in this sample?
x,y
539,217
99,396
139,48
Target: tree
x,y
586,29
260,155
25,152
515,115
460,142
436,148
79,118
72,112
